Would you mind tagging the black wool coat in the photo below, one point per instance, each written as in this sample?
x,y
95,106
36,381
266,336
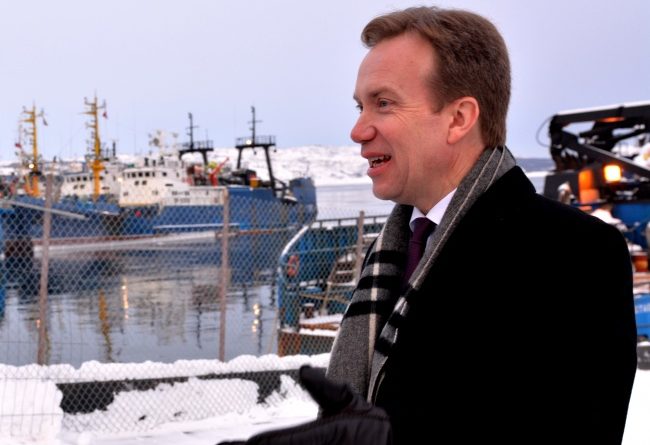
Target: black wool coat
x,y
523,331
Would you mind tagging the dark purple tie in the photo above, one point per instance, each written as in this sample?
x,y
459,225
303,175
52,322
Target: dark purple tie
x,y
422,228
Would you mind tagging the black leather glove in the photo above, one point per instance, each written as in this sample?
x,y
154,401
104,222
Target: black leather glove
x,y
346,418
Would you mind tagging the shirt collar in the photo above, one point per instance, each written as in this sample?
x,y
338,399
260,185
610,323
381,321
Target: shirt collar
x,y
436,213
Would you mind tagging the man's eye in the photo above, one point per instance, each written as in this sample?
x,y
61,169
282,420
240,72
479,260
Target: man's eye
x,y
381,103
359,107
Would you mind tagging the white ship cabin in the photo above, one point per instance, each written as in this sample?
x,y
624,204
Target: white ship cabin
x,y
165,183
80,184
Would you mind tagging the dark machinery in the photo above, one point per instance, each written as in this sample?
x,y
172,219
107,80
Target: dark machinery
x,y
601,163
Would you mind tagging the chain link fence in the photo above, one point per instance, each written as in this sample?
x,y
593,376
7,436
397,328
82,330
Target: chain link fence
x,y
119,318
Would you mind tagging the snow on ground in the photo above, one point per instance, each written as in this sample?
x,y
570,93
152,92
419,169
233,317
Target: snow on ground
x,y
30,402
96,371
232,426
637,429
179,413
29,410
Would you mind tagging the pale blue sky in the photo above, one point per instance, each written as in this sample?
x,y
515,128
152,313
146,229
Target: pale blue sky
x,y
296,61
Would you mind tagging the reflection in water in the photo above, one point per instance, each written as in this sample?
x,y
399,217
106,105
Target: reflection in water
x,y
159,305
105,326
43,354
125,298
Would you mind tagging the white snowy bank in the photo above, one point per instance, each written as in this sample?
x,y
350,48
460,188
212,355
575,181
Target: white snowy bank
x,y
30,401
184,413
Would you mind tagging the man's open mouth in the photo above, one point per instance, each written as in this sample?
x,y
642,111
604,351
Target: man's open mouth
x,y
376,162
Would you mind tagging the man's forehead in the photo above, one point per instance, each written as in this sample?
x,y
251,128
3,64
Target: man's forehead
x,y
395,58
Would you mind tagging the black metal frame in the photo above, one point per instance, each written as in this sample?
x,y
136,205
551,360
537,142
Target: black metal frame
x,y
611,125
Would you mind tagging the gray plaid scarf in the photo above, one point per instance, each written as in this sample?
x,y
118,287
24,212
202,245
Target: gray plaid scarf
x,y
371,323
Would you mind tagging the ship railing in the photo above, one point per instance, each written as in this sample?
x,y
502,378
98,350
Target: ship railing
x,y
198,145
259,140
26,205
347,221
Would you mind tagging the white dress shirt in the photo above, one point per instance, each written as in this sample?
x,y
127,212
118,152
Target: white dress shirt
x,y
435,214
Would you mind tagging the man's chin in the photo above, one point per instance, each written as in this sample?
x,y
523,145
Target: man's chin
x,y
384,195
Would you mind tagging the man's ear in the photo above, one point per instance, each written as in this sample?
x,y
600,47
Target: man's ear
x,y
464,118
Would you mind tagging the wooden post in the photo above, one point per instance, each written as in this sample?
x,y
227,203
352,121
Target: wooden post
x,y
359,246
225,276
45,259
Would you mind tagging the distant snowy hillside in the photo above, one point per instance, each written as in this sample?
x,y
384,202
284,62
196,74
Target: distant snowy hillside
x,y
327,165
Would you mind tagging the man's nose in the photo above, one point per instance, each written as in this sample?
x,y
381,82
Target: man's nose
x,y
363,130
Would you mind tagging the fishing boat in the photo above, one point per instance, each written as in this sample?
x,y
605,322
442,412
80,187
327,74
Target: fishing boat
x,y
31,164
169,195
100,175
80,184
317,274
165,200
74,220
603,168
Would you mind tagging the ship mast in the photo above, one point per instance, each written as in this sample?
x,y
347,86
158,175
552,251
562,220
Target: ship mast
x,y
96,150
32,131
203,147
253,142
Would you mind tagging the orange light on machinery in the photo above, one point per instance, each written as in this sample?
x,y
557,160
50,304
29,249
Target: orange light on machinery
x,y
588,191
612,173
586,180
611,119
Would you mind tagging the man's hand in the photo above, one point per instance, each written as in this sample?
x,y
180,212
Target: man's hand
x,y
346,418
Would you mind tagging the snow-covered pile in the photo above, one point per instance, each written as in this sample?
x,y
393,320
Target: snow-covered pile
x,y
182,402
30,400
94,371
29,408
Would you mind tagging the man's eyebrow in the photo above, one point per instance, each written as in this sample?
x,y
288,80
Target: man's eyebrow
x,y
374,93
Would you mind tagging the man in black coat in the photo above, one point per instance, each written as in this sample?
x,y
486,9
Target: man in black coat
x,y
517,323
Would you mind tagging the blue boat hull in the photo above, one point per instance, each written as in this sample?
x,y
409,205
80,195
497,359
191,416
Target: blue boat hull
x,y
249,209
263,223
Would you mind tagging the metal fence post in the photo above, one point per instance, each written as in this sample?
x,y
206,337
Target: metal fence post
x,y
223,285
42,296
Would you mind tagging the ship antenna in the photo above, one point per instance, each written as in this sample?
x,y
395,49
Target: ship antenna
x,y
252,128
97,166
190,131
202,147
